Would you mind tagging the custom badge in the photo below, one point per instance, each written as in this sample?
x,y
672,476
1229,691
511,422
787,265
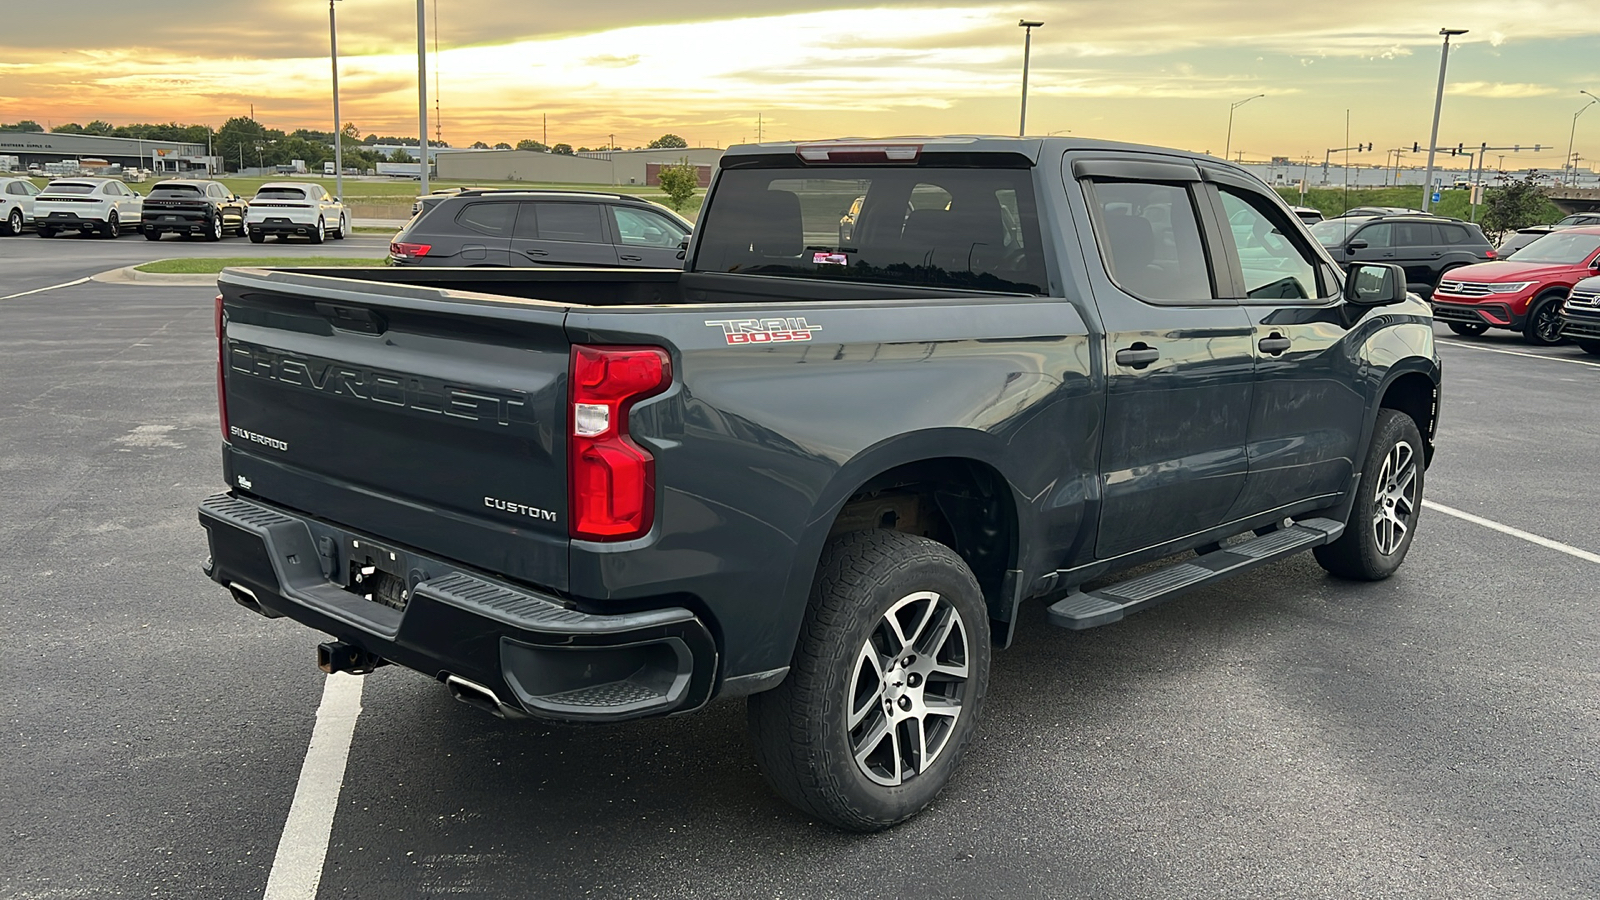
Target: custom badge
x,y
765,331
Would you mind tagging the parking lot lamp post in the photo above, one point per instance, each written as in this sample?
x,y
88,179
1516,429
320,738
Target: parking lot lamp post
x,y
1228,145
422,91
1028,26
1438,102
338,134
1574,132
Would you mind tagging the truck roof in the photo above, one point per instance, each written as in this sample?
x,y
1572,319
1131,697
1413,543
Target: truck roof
x,y
1029,147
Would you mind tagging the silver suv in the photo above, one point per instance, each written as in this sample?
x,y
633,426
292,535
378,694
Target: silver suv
x,y
542,228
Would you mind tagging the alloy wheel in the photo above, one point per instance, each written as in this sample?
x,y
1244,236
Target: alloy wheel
x,y
15,226
1395,501
1547,322
908,687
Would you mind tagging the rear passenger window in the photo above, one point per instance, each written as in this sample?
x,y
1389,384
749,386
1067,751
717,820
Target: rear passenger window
x,y
1455,234
493,219
1414,234
1273,266
1150,237
574,222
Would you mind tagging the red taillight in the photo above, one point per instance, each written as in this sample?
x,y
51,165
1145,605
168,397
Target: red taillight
x,y
611,479
1491,254
222,362
403,250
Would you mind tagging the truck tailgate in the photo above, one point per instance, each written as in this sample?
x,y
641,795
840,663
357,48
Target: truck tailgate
x,y
420,416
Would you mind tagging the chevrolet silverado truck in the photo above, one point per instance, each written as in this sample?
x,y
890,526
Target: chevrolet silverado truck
x,y
822,474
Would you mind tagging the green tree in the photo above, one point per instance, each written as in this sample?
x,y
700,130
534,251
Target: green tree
x,y
24,125
679,181
669,142
236,142
99,127
69,128
535,146
562,149
479,145
1517,205
400,156
502,146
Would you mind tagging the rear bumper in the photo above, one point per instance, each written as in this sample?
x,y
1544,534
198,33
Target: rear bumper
x,y
537,655
60,219
1496,314
176,220
278,225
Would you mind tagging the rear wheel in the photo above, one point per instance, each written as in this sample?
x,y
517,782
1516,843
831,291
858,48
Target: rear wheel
x,y
112,228
1468,329
1543,328
257,237
214,231
44,231
1388,500
344,228
886,683
321,232
14,222
1590,347
152,234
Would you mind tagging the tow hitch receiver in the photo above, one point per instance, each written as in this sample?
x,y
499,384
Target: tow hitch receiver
x,y
337,656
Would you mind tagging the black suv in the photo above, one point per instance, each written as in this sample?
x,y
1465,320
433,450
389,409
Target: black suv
x,y
184,207
1425,246
542,228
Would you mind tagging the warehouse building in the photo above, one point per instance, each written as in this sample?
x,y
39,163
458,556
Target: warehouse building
x,y
617,167
42,148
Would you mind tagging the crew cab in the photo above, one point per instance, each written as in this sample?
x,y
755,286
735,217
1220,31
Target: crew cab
x,y
822,474
1523,293
287,208
102,205
1580,316
190,207
16,204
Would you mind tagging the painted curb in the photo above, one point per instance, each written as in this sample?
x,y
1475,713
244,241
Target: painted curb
x,y
130,275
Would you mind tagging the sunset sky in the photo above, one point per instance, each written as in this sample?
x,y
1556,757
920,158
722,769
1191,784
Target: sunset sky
x,y
1151,72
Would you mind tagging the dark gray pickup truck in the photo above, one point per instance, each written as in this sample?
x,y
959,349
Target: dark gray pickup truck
x,y
898,389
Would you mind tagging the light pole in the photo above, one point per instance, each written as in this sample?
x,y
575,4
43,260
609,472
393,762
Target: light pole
x,y
1438,102
422,90
1027,25
1574,132
1228,145
338,126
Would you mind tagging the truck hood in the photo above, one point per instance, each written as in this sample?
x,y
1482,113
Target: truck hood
x,y
1512,270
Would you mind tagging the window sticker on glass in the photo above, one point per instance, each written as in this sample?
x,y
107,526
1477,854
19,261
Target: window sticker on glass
x,y
826,258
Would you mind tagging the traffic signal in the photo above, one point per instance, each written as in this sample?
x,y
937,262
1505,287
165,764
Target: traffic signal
x,y
1415,147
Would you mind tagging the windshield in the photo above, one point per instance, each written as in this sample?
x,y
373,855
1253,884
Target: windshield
x,y
274,193
177,190
1333,232
1571,249
968,228
70,187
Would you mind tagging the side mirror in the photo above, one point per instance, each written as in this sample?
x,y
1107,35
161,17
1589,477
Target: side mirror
x,y
1357,244
1375,284
683,248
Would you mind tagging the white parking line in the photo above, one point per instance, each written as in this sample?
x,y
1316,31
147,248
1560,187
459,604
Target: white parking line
x,y
1576,362
297,869
1514,532
43,289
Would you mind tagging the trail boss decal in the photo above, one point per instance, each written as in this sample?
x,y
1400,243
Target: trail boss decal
x,y
765,331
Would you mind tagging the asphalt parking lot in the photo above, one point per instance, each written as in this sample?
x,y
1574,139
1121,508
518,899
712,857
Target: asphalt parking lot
x,y
1282,735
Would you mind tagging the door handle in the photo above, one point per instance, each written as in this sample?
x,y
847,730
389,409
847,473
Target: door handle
x,y
538,252
1138,356
1274,345
630,258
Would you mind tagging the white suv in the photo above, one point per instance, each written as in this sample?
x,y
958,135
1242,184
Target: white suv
x,y
16,204
87,204
295,207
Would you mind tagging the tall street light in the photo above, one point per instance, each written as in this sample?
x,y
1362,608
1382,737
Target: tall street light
x,y
1438,101
338,125
422,90
1574,133
1028,26
1229,144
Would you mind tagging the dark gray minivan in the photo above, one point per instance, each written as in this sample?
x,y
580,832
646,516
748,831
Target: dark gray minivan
x,y
542,228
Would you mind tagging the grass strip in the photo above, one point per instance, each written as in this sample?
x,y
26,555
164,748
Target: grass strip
x,y
213,265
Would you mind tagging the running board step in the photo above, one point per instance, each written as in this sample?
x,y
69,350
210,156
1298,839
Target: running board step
x,y
1088,609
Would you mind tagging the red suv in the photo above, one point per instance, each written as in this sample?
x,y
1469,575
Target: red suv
x,y
1524,293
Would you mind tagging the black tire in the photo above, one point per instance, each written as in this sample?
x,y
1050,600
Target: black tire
x,y
243,230
319,234
1543,325
1590,347
1371,548
14,222
214,228
847,659
1468,329
44,231
152,234
257,237
344,228
112,227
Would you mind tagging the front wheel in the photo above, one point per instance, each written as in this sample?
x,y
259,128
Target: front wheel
x,y
1468,329
1388,501
885,686
1543,328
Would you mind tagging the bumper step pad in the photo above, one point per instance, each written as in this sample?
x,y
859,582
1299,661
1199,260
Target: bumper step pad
x,y
1088,609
